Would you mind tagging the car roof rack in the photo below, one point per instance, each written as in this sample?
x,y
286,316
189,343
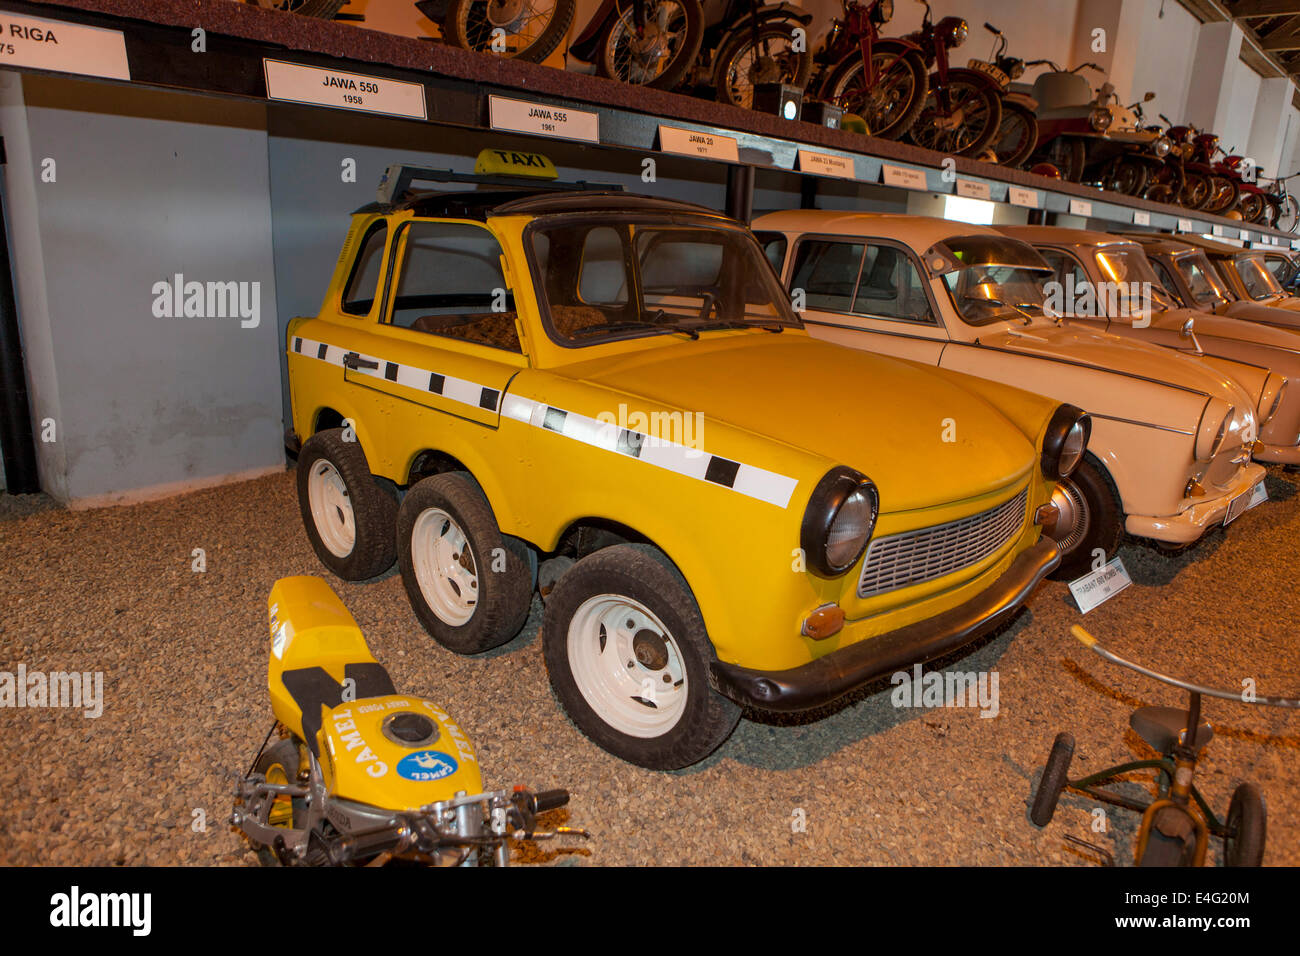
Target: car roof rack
x,y
397,179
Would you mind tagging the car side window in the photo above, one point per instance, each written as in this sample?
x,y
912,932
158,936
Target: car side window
x,y
367,267
1166,279
450,283
827,271
774,248
891,287
1065,268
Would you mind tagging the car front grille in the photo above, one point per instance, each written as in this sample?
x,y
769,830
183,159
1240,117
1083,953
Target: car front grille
x,y
913,557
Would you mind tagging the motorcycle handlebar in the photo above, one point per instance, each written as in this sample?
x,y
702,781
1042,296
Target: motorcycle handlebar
x,y
544,800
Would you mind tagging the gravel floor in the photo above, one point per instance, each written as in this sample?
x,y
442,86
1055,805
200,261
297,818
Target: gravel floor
x,y
184,662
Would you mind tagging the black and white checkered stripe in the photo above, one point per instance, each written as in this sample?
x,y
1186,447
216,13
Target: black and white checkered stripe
x,y
745,479
421,379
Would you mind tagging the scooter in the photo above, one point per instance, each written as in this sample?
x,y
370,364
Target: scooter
x,y
1071,121
359,774
1177,825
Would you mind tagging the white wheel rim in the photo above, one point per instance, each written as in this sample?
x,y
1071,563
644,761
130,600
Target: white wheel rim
x,y
331,509
635,678
444,566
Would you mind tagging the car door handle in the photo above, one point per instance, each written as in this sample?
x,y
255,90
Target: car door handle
x,y
354,361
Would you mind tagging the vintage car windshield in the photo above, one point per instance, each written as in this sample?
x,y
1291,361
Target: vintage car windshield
x,y
1132,285
1259,282
605,278
1202,281
991,278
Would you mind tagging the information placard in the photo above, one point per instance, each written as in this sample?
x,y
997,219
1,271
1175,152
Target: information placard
x,y
543,119
904,176
690,142
1097,587
61,46
1018,196
296,83
826,164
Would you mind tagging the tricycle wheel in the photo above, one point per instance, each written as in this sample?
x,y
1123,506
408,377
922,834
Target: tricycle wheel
x,y
1247,827
1052,784
1171,839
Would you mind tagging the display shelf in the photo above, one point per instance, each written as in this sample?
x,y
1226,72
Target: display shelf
x,y
457,87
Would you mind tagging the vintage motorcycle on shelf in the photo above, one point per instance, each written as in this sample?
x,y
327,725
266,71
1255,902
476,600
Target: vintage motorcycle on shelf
x,y
1070,120
1017,134
963,109
746,44
881,80
644,42
518,29
1207,188
1141,148
1283,210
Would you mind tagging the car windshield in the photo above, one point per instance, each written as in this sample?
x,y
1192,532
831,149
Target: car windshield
x,y
1259,282
612,278
1202,281
993,278
1131,285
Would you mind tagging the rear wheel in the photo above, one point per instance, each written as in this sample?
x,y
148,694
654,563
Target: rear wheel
x,y
891,106
1128,177
1252,207
628,657
348,513
1017,135
1196,190
1069,156
1247,827
1099,523
1224,193
520,29
742,63
969,122
660,53
1056,773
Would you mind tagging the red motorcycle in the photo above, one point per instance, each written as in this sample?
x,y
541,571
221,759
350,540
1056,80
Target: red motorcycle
x,y
1206,187
963,110
1252,200
881,80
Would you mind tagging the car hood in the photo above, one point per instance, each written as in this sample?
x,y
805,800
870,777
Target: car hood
x,y
1257,312
1228,327
882,416
1116,354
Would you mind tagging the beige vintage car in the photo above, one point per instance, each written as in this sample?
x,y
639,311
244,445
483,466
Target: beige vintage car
x,y
1085,260
1169,456
1245,271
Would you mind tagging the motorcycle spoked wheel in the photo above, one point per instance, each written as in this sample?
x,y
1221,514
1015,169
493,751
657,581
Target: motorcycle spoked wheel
x,y
976,112
1127,177
1224,194
1196,191
1253,207
1166,185
741,63
889,108
1069,155
662,53
531,29
1017,135
1287,217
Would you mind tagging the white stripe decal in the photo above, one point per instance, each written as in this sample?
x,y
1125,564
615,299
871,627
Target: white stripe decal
x,y
747,480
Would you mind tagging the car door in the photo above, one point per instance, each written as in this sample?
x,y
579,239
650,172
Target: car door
x,y
447,336
866,293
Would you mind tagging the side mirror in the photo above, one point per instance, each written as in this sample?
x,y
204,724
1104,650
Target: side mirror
x,y
1189,329
1150,95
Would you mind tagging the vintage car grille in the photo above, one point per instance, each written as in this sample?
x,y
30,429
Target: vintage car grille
x,y
912,557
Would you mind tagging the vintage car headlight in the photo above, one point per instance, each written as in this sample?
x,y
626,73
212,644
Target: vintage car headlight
x,y
1270,399
1099,119
1161,146
1214,428
1065,442
838,521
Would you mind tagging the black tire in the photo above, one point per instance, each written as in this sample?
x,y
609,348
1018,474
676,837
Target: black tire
x,y
704,718
1056,773
683,18
371,501
786,66
496,598
1069,156
1101,516
973,136
1017,135
1248,827
1224,193
1166,185
468,25
893,110
1253,207
1196,190
1128,177
279,763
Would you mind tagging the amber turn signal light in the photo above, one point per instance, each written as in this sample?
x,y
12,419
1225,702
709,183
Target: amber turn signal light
x,y
824,622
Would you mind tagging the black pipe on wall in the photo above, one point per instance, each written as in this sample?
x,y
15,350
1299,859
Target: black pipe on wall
x,y
740,193
16,438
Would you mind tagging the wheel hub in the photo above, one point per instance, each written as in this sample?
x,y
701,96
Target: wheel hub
x,y
650,649
502,13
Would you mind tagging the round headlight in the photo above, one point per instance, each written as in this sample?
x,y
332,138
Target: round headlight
x,y
886,10
959,32
1270,399
838,522
1100,119
1162,146
1214,429
1065,442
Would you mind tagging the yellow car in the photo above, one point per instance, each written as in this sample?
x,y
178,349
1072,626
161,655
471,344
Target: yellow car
x,y
749,516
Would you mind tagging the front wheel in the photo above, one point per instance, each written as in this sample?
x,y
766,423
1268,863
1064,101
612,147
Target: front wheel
x,y
891,105
658,54
1017,135
1252,207
281,763
1099,521
628,657
519,29
468,584
1247,827
1056,774
1224,193
742,64
960,118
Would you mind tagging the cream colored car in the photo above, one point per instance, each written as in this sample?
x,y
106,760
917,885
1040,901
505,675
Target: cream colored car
x,y
1170,452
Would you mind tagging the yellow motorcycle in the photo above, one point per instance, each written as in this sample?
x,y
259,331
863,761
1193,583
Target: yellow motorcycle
x,y
359,774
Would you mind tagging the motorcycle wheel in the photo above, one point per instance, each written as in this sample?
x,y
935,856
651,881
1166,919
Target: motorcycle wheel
x,y
1288,215
1128,178
741,64
279,763
1017,135
1166,185
531,29
1252,207
662,55
890,109
1224,194
980,112
1196,191
1068,155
